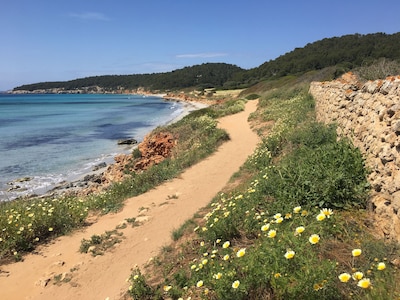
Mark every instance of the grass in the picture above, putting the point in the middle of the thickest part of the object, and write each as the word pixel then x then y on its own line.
pixel 98 244
pixel 25 223
pixel 296 227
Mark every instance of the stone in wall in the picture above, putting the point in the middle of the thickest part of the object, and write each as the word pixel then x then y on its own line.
pixel 369 114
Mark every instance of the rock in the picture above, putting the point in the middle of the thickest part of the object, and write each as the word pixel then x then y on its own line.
pixel 129 141
pixel 396 201
pixel 42 282
pixel 23 179
pixel 154 149
pixel 93 178
pixel 99 166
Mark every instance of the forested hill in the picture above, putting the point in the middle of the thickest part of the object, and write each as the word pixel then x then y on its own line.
pixel 345 53
pixel 203 76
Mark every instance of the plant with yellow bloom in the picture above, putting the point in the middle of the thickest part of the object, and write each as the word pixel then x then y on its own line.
pixel 364 283
pixel 265 227
pixel 200 283
pixel 357 275
pixel 300 230
pixel 327 212
pixel 226 245
pixel 235 284
pixel 297 209
pixel 272 233
pixel 356 252
pixel 321 217
pixel 218 275
pixel 344 277
pixel 289 254
pixel 381 266
pixel 241 252
pixel 314 239
pixel 166 288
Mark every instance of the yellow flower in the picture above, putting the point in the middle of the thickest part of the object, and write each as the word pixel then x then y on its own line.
pixel 199 283
pixel 279 220
pixel 356 252
pixel 217 276
pixel 358 275
pixel 226 257
pixel 204 261
pixel 277 216
pixel 241 252
pixel 304 213
pixel 321 217
pixel 226 245
pixel 235 284
pixel 381 266
pixel 167 288
pixel 265 227
pixel 277 275
pixel 51 229
pixel 300 230
pixel 327 212
pixel 297 209
pixel 364 283
pixel 314 239
pixel 289 254
pixel 344 277
pixel 193 267
pixel 272 233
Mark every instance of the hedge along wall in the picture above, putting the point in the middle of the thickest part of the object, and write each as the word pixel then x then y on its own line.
pixel 369 114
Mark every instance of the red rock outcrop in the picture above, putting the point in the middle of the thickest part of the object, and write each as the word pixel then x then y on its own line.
pixel 154 149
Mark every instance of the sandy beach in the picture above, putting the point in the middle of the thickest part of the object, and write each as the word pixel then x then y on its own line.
pixel 104 277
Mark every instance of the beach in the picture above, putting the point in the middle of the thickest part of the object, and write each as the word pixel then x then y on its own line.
pixel 103 277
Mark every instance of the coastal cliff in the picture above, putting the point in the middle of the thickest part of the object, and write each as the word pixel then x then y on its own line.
pixel 369 115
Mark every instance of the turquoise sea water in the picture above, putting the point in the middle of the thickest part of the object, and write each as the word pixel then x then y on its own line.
pixel 56 137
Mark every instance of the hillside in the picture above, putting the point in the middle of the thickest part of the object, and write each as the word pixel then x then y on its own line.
pixel 339 53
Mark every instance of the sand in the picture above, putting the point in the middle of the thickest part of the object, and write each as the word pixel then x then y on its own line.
pixel 160 210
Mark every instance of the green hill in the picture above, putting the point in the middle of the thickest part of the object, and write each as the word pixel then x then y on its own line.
pixel 344 53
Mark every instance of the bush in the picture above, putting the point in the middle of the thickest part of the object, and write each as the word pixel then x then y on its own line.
pixel 252 96
pixel 331 175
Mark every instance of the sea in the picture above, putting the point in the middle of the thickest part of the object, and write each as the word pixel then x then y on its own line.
pixel 46 139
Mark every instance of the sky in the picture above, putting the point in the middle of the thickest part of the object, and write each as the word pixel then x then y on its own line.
pixel 58 40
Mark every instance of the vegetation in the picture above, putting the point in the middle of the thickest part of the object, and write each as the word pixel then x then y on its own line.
pixel 290 230
pixel 339 54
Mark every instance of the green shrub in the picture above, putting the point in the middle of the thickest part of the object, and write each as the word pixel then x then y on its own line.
pixel 313 134
pixel 252 96
pixel 332 175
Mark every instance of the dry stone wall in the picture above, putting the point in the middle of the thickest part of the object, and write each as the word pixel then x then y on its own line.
pixel 369 114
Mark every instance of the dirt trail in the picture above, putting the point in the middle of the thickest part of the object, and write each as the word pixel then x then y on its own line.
pixel 161 210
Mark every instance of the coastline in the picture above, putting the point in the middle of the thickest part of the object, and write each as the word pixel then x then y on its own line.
pixel 87 177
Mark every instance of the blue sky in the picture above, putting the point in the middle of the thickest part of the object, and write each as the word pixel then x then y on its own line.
pixel 56 40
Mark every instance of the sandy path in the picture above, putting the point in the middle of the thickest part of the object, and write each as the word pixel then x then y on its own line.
pixel 104 276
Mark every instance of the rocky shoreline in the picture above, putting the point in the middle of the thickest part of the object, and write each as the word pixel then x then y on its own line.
pixel 153 149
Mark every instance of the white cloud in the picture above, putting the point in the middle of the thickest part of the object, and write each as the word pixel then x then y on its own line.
pixel 201 55
pixel 90 16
